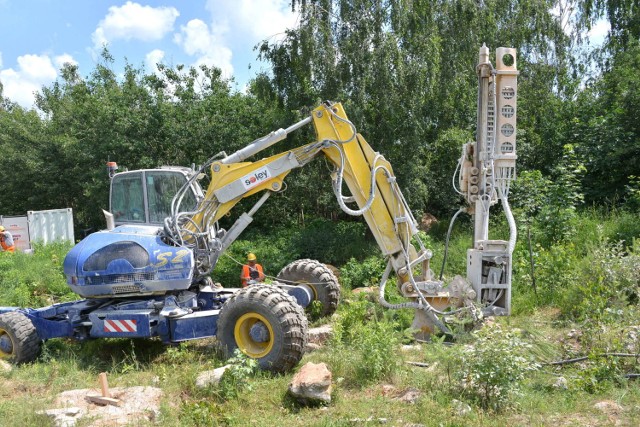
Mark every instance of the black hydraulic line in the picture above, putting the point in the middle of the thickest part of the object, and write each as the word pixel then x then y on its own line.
pixel 446 244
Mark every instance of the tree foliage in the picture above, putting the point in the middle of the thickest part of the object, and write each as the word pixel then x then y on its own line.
pixel 404 70
pixel 179 117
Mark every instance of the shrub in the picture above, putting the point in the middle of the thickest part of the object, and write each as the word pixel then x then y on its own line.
pixel 355 274
pixel 235 379
pixel 332 242
pixel 363 345
pixel 492 367
pixel 610 279
pixel 633 193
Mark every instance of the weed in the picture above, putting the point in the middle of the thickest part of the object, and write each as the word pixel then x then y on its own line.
pixel 610 280
pixel 355 274
pixel 200 413
pixel 492 368
pixel 235 379
pixel 363 345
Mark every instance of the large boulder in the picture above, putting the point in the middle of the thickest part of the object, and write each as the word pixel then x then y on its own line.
pixel 312 384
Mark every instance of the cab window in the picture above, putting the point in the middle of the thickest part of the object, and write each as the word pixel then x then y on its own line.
pixel 127 198
pixel 161 187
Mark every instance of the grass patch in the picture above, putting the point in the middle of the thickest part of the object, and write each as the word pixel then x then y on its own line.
pixel 585 305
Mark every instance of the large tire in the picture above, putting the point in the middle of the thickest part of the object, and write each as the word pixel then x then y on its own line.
pixel 316 275
pixel 266 324
pixel 19 341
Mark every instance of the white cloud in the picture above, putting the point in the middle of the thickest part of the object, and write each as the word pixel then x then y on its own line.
pixel 241 24
pixel 196 39
pixel 152 58
pixel 34 71
pixel 65 58
pixel 134 21
pixel 260 18
pixel 37 68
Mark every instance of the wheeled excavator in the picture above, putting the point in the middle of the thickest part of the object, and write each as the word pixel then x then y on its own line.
pixel 149 274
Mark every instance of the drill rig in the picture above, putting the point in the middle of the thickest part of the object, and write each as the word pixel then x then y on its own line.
pixel 143 279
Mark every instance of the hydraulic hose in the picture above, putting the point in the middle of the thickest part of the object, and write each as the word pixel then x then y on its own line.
pixel 446 243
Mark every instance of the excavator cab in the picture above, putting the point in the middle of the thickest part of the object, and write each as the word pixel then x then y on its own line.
pixel 144 197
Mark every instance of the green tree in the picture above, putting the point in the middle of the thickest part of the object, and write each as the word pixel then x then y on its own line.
pixel 607 128
pixel 179 116
pixel 405 71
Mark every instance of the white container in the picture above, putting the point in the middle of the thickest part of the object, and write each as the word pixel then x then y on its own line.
pixel 51 225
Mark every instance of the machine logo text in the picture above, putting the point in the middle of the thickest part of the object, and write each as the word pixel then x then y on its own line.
pixel 255 178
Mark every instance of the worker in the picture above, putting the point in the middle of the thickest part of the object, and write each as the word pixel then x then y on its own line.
pixel 6 240
pixel 251 271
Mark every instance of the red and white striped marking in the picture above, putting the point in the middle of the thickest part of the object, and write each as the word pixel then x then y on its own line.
pixel 122 325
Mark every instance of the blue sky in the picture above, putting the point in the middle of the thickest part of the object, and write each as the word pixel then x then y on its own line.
pixel 38 36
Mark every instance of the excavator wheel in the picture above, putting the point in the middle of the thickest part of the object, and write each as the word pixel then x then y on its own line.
pixel 319 278
pixel 19 341
pixel 266 324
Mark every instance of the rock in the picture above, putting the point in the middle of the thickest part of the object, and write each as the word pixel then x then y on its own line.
pixel 311 347
pixel 366 290
pixel 138 405
pixel 427 221
pixel 572 333
pixel 412 347
pixel 460 408
pixel 561 383
pixel 207 378
pixel 335 270
pixel 371 293
pixel 489 321
pixel 410 395
pixel 368 420
pixel 312 384
pixel 320 334
pixel 64 417
pixel 608 407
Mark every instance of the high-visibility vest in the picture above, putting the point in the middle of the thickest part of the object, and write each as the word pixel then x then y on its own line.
pixel 251 273
pixel 6 241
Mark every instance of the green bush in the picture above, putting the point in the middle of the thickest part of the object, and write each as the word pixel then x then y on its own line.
pixel 363 344
pixel 610 279
pixel 368 272
pixel 492 367
pixel 633 193
pixel 329 242
pixel 235 379
pixel 332 242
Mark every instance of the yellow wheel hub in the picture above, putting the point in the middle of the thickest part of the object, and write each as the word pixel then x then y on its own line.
pixel 6 345
pixel 247 342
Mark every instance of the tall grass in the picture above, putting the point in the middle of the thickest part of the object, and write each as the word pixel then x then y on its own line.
pixel 34 280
